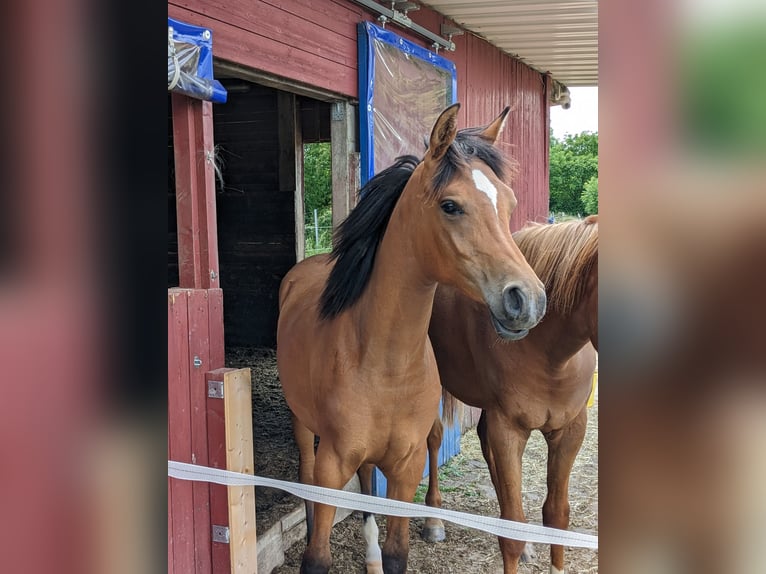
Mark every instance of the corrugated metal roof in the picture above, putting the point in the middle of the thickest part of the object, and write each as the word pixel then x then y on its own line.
pixel 550 35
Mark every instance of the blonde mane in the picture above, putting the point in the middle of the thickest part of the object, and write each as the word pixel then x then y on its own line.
pixel 561 254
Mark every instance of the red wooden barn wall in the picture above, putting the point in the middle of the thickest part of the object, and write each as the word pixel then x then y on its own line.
pixel 315 43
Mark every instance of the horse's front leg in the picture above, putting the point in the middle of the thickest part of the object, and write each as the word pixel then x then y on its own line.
pixel 332 470
pixel 433 529
pixel 402 484
pixel 563 446
pixel 503 445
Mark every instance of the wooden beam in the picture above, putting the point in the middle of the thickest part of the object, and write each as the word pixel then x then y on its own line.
pixel 230 446
pixel 345 160
pixel 291 161
pixel 193 149
pixel 237 396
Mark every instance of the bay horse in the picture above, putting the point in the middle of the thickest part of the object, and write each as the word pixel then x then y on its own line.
pixel 540 382
pixel 355 363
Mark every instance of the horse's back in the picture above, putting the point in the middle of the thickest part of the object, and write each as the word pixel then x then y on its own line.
pixel 307 276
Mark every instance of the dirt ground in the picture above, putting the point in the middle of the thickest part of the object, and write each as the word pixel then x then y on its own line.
pixel 466 486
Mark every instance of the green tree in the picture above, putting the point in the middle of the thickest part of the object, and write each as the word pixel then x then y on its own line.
pixel 589 196
pixel 317 180
pixel 573 162
pixel 317 190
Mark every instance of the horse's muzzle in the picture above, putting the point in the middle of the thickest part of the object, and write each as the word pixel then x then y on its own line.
pixel 523 308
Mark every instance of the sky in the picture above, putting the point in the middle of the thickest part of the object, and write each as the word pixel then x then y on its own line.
pixel 582 116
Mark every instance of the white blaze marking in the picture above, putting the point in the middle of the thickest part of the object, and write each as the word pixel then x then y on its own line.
pixel 371 537
pixel 484 185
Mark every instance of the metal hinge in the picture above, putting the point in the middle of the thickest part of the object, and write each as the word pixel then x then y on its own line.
pixel 215 389
pixel 220 534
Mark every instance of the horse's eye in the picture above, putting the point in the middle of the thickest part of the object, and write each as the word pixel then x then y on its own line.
pixel 451 208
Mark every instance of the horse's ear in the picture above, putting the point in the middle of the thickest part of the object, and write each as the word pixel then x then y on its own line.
pixel 444 132
pixel 493 130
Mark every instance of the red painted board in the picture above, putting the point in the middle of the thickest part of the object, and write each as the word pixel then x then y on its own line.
pixel 219 497
pixel 215 319
pixel 268 54
pixel 199 348
pixel 205 196
pixel 170 528
pixel 185 157
pixel 179 429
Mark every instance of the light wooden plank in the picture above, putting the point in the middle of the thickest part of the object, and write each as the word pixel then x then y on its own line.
pixel 239 458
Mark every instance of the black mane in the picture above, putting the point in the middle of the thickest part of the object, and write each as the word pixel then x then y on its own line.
pixel 357 239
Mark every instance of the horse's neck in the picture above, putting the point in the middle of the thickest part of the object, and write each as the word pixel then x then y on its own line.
pixel 395 309
pixel 560 337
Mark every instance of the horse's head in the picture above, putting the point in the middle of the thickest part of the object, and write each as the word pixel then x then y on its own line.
pixel 464 237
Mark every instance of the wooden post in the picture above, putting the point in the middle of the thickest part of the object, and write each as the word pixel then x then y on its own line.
pixel 195 192
pixel 291 162
pixel 195 345
pixel 233 416
pixel 345 160
pixel 237 397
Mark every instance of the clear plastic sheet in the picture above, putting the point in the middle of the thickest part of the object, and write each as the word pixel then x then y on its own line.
pixel 403 89
pixel 190 62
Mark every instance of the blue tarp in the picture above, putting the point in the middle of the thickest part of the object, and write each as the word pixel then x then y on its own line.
pixel 190 62
pixel 402 90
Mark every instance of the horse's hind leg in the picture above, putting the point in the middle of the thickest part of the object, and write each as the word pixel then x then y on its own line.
pixel 563 446
pixel 304 438
pixel 502 444
pixel 374 559
pixel 433 529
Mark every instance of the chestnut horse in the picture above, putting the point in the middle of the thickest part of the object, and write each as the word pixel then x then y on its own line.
pixel 540 382
pixel 355 363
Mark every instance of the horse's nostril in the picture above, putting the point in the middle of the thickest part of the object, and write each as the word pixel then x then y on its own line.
pixel 513 301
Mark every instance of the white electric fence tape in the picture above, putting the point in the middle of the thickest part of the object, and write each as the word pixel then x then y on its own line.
pixel 386 507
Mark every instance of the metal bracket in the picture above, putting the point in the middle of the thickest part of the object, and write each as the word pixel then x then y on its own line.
pixel 450 31
pixel 338 111
pixel 197 362
pixel 215 389
pixel 221 534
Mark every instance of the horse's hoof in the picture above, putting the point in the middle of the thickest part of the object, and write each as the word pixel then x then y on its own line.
pixel 375 568
pixel 528 554
pixel 433 534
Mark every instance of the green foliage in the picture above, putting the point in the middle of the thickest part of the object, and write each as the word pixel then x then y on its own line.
pixel 722 84
pixel 573 162
pixel 589 196
pixel 317 179
pixel 317 189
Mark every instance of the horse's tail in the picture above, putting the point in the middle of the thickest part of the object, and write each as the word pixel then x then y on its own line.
pixel 451 408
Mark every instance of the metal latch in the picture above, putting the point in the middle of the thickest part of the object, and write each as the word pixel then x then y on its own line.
pixel 220 534
pixel 215 389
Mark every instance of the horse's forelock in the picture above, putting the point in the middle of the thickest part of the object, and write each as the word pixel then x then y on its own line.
pixel 468 146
